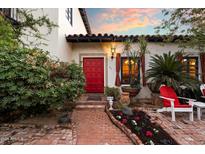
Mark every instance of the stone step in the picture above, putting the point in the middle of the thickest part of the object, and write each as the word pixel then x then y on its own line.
pixel 90 107
pixel 91 103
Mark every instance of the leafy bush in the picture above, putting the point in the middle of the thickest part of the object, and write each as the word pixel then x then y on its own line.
pixel 30 81
pixel 114 92
pixel 70 80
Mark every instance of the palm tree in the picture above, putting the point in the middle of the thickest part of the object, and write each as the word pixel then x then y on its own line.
pixel 166 69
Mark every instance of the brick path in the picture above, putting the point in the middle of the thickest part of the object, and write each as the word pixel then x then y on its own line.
pixel 182 130
pixel 93 126
pixel 32 134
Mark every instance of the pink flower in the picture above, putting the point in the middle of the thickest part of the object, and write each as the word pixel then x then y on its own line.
pixel 124 121
pixel 149 133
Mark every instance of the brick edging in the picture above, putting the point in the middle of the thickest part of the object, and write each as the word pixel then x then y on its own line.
pixel 74 131
pixel 74 134
pixel 133 137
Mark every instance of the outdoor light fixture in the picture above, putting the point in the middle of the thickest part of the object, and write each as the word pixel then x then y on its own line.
pixel 112 52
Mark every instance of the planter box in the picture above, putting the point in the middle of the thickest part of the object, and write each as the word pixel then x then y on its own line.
pixel 133 137
pixel 140 128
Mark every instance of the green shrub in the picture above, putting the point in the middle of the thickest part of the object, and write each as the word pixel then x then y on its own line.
pixel 7 34
pixel 70 80
pixel 114 92
pixel 31 81
pixel 119 105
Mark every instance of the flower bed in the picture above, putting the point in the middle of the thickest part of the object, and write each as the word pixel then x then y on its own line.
pixel 149 133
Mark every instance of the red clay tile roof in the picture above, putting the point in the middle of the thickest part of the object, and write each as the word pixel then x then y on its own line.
pixel 120 38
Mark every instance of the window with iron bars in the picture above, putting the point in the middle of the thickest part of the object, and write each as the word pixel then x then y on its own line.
pixel 69 15
pixel 9 12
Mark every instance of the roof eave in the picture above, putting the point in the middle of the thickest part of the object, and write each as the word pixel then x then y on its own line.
pixel 85 20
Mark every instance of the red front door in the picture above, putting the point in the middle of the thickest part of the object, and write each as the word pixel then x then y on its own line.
pixel 93 69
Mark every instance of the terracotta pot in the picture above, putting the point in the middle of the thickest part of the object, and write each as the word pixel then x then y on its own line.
pixel 132 91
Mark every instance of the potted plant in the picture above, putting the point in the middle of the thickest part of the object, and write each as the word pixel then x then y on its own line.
pixel 133 89
pixel 135 57
pixel 113 94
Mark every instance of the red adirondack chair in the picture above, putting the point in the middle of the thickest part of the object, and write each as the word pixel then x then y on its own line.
pixel 172 104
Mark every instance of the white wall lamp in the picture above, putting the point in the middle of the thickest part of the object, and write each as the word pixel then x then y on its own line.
pixel 113 51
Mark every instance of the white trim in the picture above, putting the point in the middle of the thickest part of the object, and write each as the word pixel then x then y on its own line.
pixel 173 109
pixel 202 87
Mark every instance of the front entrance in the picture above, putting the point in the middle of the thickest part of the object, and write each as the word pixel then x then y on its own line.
pixel 93 69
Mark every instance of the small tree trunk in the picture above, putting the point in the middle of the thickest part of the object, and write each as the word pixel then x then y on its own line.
pixel 130 71
pixel 141 81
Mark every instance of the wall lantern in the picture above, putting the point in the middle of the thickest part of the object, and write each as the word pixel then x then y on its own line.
pixel 112 52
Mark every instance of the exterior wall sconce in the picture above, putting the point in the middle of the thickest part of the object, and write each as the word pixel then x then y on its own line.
pixel 113 50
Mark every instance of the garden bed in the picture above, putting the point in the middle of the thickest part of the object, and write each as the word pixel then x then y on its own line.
pixel 140 129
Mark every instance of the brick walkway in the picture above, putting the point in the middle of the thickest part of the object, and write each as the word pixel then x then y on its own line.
pixel 31 134
pixel 182 130
pixel 93 126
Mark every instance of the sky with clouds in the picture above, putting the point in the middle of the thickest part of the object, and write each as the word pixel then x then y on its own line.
pixel 124 21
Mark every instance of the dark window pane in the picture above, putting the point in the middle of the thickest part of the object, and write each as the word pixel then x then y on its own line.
pixel 190 67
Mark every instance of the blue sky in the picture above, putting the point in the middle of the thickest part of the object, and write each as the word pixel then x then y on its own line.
pixel 124 21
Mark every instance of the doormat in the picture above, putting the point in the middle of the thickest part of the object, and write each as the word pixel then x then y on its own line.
pixel 94 98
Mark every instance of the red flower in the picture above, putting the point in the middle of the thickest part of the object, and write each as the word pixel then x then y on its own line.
pixel 149 133
pixel 120 113
pixel 137 118
pixel 124 121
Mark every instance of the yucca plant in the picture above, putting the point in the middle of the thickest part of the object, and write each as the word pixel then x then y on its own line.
pixel 166 69
pixel 136 57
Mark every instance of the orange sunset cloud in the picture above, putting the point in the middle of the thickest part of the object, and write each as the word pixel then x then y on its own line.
pixel 119 20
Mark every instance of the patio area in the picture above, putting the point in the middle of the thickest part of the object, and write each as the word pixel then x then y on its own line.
pixel 89 118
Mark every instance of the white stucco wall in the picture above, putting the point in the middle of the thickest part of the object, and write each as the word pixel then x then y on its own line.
pixel 78 26
pixel 64 49
pixel 56 42
pixel 105 49
pixel 52 38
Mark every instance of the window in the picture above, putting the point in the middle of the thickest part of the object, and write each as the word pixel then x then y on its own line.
pixel 9 12
pixel 69 15
pixel 128 72
pixel 190 67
